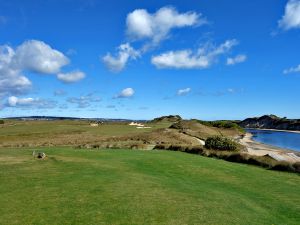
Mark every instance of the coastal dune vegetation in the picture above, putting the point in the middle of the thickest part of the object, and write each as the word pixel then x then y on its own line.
pixel 218 139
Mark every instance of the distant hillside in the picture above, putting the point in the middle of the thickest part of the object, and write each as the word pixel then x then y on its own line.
pixel 28 118
pixel 271 122
pixel 170 118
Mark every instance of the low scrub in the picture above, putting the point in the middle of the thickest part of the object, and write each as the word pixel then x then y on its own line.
pixel 220 143
pixel 237 157
pixel 181 148
pixel 222 124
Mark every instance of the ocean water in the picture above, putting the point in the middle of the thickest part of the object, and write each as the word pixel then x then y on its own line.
pixel 281 139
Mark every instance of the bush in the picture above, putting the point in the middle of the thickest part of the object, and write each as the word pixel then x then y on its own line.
pixel 220 143
pixel 1 121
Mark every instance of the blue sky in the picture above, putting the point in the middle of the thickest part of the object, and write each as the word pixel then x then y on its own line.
pixel 205 59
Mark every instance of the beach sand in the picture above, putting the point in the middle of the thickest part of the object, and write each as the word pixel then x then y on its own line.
pixel 259 149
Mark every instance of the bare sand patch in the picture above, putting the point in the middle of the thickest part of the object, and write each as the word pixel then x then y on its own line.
pixel 259 149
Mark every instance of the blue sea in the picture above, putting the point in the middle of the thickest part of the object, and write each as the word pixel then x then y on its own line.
pixel 280 139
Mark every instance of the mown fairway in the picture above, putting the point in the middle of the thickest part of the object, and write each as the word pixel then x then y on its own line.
pixel 141 187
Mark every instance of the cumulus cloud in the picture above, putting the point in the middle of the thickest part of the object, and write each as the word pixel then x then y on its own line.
pixel 39 57
pixel 151 29
pixel 14 101
pixel 125 93
pixel 143 25
pixel 291 17
pixel 34 56
pixel 71 77
pixel 292 70
pixel 237 59
pixel 12 81
pixel 118 62
pixel 84 101
pixel 184 91
pixel 203 58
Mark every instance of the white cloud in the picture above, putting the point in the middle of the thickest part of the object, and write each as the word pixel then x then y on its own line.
pixel 151 29
pixel 117 63
pixel 39 57
pixel 14 101
pixel 126 93
pixel 292 70
pixel 33 56
pixel 184 91
pixel 71 77
pixel 187 59
pixel 237 59
pixel 141 24
pixel 12 81
pixel 291 17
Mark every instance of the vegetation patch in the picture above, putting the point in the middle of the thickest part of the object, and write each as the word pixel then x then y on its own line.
pixel 221 143
pixel 222 124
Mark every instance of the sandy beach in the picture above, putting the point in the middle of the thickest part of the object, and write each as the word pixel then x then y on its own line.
pixel 259 149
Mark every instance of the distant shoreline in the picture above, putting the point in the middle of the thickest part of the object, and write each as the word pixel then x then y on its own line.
pixel 259 149
pixel 276 130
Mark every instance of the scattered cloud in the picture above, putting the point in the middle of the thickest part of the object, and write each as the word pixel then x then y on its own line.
pixel 157 26
pixel 14 101
pixel 111 106
pixel 125 93
pixel 71 51
pixel 150 29
pixel 292 70
pixel 184 91
pixel 236 60
pixel 118 62
pixel 84 101
pixel 71 77
pixel 291 17
pixel 203 58
pixel 231 90
pixel 228 91
pixel 33 56
pixel 59 92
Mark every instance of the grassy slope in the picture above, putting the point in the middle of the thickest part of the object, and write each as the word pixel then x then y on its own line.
pixel 141 187
pixel 64 132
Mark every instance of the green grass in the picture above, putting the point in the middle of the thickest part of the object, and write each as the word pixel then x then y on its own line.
pixel 141 187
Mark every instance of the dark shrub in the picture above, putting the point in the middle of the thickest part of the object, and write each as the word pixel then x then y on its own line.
pixel 297 166
pixel 1 121
pixel 221 143
pixel 194 150
pixel 284 166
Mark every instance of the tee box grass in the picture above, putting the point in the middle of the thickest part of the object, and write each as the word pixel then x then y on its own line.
pixel 141 187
